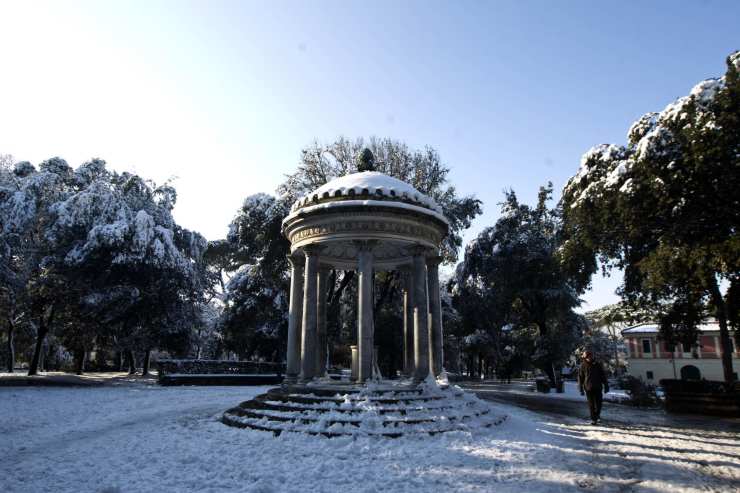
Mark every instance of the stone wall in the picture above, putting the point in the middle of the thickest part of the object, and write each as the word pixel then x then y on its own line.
pixel 217 367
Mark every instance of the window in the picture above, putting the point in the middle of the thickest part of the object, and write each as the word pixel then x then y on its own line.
pixel 646 346
pixel 649 375
pixel 686 347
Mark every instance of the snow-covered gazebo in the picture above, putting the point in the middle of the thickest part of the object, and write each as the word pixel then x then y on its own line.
pixel 369 222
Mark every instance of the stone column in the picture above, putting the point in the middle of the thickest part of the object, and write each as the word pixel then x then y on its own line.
pixel 435 310
pixel 408 323
pixel 365 310
pixel 293 357
pixel 354 365
pixel 321 342
pixel 308 334
pixel 421 327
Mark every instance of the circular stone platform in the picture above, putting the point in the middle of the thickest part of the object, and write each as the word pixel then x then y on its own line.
pixel 375 409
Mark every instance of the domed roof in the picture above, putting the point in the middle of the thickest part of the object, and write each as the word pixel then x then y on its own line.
pixel 368 185
pixel 366 206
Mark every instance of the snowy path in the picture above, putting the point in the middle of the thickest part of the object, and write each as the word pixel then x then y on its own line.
pixel 140 439
pixel 572 404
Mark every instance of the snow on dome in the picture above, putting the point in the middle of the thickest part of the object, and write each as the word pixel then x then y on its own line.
pixel 367 184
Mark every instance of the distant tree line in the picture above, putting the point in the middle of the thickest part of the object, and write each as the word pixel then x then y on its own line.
pixel 93 259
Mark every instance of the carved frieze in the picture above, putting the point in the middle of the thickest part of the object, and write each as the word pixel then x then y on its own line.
pixel 382 226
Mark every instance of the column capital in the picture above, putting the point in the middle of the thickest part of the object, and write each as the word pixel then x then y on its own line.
pixel 312 250
pixel 295 259
pixel 434 260
pixel 419 251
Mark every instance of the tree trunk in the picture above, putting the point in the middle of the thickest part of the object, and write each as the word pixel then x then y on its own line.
pixel 11 346
pixel 43 330
pixel 724 334
pixel 337 294
pixel 33 368
pixel 80 361
pixel 147 359
pixel 119 362
pixel 131 362
pixel 550 371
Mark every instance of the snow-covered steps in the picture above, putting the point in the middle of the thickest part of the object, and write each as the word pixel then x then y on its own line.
pixel 364 410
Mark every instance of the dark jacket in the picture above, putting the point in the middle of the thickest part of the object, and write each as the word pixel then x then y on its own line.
pixel 591 377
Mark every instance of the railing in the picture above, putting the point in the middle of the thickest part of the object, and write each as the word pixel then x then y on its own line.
pixel 218 367
pixel 218 372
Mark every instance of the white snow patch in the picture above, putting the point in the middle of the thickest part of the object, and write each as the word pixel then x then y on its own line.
pixel 374 183
pixel 170 439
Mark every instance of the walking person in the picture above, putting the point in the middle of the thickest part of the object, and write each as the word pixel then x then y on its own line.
pixel 592 380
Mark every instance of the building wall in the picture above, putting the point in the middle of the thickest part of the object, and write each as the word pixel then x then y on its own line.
pixel 662 363
pixel 663 368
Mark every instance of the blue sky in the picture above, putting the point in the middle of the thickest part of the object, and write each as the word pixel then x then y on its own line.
pixel 224 95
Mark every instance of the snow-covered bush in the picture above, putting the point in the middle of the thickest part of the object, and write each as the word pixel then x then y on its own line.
pixel 99 255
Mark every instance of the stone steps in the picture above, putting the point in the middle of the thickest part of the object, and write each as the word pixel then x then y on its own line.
pixel 313 399
pixel 307 419
pixel 298 407
pixel 331 390
pixel 371 412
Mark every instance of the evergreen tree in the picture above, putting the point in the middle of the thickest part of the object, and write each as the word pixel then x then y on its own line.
pixel 97 256
pixel 665 208
pixel 254 321
pixel 511 284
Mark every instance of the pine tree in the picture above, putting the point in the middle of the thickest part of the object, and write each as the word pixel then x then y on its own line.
pixel 665 208
pixel 511 284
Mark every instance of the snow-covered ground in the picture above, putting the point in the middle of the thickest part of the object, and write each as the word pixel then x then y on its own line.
pixel 571 392
pixel 147 438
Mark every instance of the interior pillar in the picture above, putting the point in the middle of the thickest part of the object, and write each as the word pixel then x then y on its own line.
pixel 435 310
pixel 321 340
pixel 295 315
pixel 308 334
pixel 408 322
pixel 421 325
pixel 365 334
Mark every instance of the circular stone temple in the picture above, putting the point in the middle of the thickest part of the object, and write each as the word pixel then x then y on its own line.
pixel 367 222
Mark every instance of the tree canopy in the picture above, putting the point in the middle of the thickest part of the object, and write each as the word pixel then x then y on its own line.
pixel 665 208
pixel 511 285
pixel 97 255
